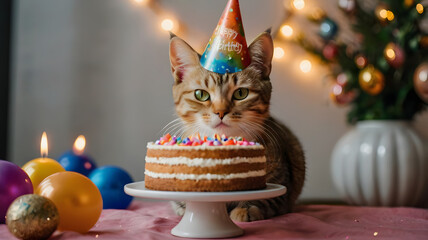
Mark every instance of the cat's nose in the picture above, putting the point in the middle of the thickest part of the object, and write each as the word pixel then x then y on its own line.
pixel 221 114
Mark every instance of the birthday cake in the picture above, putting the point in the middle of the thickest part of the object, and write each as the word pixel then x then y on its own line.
pixel 198 164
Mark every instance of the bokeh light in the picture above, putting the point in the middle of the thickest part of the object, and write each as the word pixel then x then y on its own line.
pixel 305 66
pixel 287 31
pixel 278 52
pixel 167 24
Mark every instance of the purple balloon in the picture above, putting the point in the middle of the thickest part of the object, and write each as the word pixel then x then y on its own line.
pixel 14 182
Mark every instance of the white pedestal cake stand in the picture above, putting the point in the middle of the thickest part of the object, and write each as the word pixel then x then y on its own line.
pixel 206 215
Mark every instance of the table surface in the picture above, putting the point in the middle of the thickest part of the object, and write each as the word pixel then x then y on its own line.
pixel 154 220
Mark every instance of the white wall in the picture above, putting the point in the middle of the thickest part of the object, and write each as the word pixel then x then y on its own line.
pixel 101 68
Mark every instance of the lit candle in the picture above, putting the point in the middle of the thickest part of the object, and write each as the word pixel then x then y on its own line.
pixel 75 160
pixel 40 168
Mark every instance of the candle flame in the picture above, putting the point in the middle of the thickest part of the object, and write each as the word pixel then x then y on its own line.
pixel 44 145
pixel 79 145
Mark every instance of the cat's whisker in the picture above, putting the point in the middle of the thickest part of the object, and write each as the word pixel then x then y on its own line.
pixel 189 129
pixel 173 128
pixel 183 129
pixel 173 123
pixel 267 127
pixel 177 120
pixel 270 137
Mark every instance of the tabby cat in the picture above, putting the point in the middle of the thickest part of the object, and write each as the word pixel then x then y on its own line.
pixel 237 104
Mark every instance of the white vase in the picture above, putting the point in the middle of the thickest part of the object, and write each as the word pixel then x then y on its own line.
pixel 381 163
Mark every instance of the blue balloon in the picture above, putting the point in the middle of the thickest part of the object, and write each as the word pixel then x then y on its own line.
pixel 77 163
pixel 110 180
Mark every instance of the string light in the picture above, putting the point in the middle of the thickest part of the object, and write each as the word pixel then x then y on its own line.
pixel 287 31
pixel 383 13
pixel 298 4
pixel 167 24
pixel 337 90
pixel 142 2
pixel 390 53
pixel 367 77
pixel 361 61
pixel 278 52
pixel 419 8
pixel 390 15
pixel 305 66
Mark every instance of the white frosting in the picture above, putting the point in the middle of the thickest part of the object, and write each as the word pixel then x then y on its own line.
pixel 152 145
pixel 208 176
pixel 204 162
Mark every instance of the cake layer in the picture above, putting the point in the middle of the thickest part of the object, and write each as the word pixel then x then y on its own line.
pixel 221 152
pixel 236 184
pixel 219 169
pixel 204 162
pixel 207 176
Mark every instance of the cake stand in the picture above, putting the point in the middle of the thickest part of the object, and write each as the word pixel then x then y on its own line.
pixel 206 215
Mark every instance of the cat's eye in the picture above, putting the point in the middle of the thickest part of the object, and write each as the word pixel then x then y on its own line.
pixel 202 95
pixel 240 93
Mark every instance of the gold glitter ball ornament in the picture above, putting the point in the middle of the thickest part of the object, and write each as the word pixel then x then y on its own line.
pixel 371 80
pixel 32 217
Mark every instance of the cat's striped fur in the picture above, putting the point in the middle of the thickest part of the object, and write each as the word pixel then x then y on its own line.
pixel 249 118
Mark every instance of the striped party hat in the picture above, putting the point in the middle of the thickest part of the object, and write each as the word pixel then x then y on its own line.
pixel 227 50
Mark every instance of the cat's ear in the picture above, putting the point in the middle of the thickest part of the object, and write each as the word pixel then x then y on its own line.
pixel 261 52
pixel 182 57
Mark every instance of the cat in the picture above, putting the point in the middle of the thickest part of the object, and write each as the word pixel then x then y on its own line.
pixel 237 104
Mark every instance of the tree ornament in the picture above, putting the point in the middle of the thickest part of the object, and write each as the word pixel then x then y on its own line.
pixel 420 81
pixel 409 3
pixel 342 79
pixel 339 96
pixel 32 217
pixel 361 61
pixel 424 41
pixel 328 29
pixel 347 5
pixel 394 55
pixel 330 51
pixel 371 80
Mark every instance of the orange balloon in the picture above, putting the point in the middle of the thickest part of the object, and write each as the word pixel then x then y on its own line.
pixel 77 198
pixel 40 168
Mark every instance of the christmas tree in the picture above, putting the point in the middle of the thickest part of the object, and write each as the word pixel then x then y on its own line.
pixel 385 76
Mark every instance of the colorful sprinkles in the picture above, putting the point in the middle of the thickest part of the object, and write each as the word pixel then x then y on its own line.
pixel 197 140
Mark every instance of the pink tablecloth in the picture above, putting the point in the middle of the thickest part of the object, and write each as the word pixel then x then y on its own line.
pixel 154 220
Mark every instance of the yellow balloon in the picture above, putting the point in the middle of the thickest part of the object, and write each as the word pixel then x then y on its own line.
pixel 77 198
pixel 40 168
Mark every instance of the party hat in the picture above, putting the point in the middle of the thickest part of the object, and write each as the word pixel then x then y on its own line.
pixel 227 50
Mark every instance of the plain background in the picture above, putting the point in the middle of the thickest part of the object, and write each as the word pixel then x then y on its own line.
pixel 101 68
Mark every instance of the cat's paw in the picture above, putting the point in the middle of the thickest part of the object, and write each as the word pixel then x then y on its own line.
pixel 178 207
pixel 252 213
